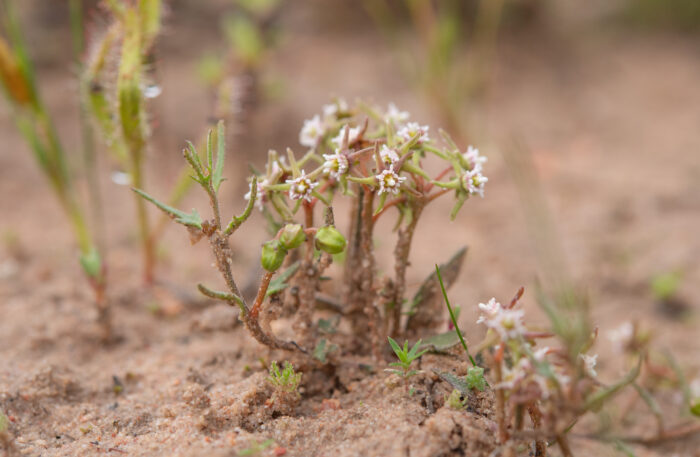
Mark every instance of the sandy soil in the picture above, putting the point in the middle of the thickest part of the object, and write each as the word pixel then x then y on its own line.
pixel 611 119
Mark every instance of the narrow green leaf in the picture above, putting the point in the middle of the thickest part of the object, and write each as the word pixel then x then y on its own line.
pixel 455 381
pixel 280 282
pixel 218 168
pixel 91 263
pixel 395 346
pixel 453 317
pixel 190 220
pixel 442 341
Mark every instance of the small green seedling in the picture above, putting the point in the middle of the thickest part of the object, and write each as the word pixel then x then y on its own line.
pixel 4 422
pixel 406 357
pixel 664 286
pixel 286 380
pixel 256 448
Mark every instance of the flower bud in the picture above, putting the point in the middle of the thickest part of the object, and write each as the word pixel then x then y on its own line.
pixel 273 254
pixel 330 240
pixel 292 236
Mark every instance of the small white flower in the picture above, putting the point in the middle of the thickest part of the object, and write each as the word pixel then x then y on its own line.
pixel 412 129
pixel 353 136
pixel 301 187
pixel 473 182
pixel 388 156
pixel 332 109
pixel 540 354
pixel 490 309
pixel 395 116
pixel 473 159
pixel 508 323
pixel 335 165
pixel 695 389
pixel 311 132
pixel 621 336
pixel 261 195
pixel 389 181
pixel 589 362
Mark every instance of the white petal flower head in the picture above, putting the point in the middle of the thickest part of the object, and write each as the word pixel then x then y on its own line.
pixel 473 159
pixel 473 182
pixel 695 389
pixel 490 309
pixel 389 181
pixel 388 156
pixel 311 132
pixel 335 165
pixel 621 336
pixel 261 195
pixel 394 116
pixel 353 136
pixel 508 323
pixel 332 109
pixel 589 362
pixel 541 354
pixel 412 129
pixel 301 187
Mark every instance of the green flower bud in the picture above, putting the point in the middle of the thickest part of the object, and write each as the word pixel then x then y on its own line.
pixel 330 240
pixel 292 236
pixel 273 254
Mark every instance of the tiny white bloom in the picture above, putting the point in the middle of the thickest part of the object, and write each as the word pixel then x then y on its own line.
pixel 695 389
pixel 394 115
pixel 332 109
pixel 335 165
pixel 412 129
pixel 353 136
pixel 388 156
pixel 473 182
pixel 540 354
pixel 473 159
pixel 490 309
pixel 589 362
pixel 389 181
pixel 621 336
pixel 261 196
pixel 508 323
pixel 311 132
pixel 301 187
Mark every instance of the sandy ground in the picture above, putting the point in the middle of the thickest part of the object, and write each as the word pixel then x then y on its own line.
pixel 611 120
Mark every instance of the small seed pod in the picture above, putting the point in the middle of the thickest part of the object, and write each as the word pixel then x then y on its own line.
pixel 292 236
pixel 273 254
pixel 330 240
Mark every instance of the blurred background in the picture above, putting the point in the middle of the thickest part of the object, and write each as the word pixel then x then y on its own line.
pixel 601 99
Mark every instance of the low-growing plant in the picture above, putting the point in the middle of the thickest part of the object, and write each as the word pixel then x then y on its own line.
pixel 256 448
pixel 373 157
pixel 406 358
pixel 286 380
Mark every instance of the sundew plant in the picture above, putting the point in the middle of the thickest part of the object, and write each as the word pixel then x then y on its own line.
pixel 373 157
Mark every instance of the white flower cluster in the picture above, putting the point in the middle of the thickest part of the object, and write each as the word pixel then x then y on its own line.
pixel 336 164
pixel 473 179
pixel 301 187
pixel 389 181
pixel 507 322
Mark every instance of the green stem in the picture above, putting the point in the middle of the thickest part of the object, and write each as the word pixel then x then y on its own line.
pixel 453 317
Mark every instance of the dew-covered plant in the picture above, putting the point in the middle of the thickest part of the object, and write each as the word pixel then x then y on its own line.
pixel 406 358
